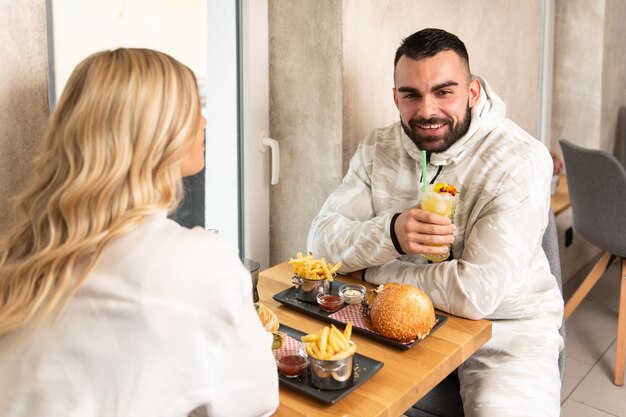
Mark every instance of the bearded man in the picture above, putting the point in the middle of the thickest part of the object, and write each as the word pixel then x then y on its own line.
pixel 497 268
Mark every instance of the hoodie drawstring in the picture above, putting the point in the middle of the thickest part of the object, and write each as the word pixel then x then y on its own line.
pixel 434 178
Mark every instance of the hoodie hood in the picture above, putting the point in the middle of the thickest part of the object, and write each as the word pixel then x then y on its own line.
pixel 488 108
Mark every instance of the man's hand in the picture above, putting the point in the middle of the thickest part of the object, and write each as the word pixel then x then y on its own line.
pixel 417 230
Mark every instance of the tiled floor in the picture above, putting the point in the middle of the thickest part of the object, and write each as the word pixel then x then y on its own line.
pixel 588 390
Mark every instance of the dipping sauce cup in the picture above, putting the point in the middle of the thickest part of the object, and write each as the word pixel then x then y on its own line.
pixel 291 363
pixel 352 293
pixel 329 302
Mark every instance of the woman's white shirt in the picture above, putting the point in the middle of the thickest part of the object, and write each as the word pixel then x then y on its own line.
pixel 164 323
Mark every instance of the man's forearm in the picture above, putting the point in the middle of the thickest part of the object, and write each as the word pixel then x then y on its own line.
pixel 358 244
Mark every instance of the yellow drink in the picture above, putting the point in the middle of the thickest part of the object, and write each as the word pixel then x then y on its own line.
pixel 442 203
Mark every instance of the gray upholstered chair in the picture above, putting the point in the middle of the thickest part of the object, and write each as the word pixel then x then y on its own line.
pixel 597 190
pixel 445 399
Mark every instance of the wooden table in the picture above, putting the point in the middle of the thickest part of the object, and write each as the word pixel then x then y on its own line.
pixel 560 199
pixel 406 375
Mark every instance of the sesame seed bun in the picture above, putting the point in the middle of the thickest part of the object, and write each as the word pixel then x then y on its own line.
pixel 402 312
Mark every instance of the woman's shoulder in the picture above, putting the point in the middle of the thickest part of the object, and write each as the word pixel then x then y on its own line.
pixel 166 259
pixel 202 250
pixel 179 239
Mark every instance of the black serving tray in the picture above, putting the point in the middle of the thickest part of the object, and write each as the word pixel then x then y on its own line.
pixel 288 298
pixel 364 369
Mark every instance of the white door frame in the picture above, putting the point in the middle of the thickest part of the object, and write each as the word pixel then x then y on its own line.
pixel 238 171
pixel 255 117
pixel 222 185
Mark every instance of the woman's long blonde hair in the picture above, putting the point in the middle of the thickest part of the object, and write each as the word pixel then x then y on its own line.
pixel 110 157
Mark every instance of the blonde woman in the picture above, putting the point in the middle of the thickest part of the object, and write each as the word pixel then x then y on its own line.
pixel 107 308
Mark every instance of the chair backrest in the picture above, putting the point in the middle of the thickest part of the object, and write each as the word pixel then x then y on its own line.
pixel 597 190
pixel 550 245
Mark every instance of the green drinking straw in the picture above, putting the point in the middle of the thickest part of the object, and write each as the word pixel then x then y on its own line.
pixel 424 180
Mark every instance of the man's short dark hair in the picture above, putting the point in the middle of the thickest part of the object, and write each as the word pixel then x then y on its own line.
pixel 429 42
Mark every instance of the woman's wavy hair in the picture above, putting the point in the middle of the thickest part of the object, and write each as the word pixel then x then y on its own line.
pixel 110 157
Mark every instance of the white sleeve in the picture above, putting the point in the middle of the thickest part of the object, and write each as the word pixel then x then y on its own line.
pixel 347 227
pixel 499 248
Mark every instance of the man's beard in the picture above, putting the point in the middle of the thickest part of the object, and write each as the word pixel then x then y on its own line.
pixel 437 144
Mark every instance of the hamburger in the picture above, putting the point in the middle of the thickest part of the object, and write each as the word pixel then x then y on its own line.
pixel 402 312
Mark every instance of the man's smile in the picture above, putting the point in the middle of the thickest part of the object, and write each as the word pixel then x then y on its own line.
pixel 429 128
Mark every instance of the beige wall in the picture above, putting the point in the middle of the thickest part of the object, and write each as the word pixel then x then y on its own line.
pixel 305 115
pixel 589 71
pixel 331 75
pixel 23 94
pixel 503 39
pixel 614 72
pixel 578 71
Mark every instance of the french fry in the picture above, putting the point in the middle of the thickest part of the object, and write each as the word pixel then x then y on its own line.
pixel 333 347
pixel 300 259
pixel 310 338
pixel 335 268
pixel 330 343
pixel 338 339
pixel 347 332
pixel 343 354
pixel 325 268
pixel 311 268
pixel 309 350
pixel 324 339
pixel 315 350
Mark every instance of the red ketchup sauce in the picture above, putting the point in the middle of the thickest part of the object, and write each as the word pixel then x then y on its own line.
pixel 329 302
pixel 292 365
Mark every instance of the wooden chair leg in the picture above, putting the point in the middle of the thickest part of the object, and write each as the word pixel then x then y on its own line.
pixel 590 280
pixel 620 344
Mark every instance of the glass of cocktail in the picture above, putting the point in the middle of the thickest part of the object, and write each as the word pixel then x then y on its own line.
pixel 439 199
